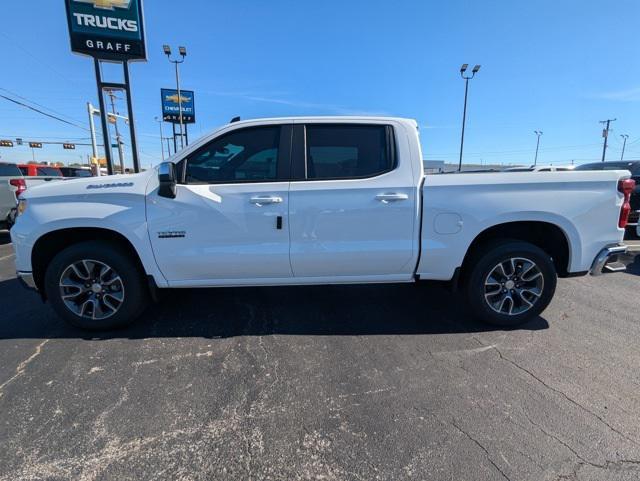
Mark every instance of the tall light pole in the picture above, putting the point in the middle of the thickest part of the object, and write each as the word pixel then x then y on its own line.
pixel 605 134
pixel 538 133
pixel 183 53
pixel 161 137
pixel 624 144
pixel 466 78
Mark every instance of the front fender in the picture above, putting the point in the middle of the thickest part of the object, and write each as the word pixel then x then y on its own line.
pixel 123 214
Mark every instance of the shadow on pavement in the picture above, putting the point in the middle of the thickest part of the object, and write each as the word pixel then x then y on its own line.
pixel 634 267
pixel 5 238
pixel 226 312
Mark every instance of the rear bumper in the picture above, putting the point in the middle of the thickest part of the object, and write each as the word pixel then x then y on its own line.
pixel 608 255
pixel 27 281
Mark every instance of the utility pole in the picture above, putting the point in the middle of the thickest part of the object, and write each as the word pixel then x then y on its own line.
pixel 538 133
pixel 112 96
pixel 605 134
pixel 624 144
pixel 161 137
pixel 466 78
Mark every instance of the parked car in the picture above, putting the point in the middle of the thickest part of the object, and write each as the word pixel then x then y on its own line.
pixel 36 170
pixel 541 168
pixel 35 174
pixel 12 184
pixel 633 228
pixel 72 172
pixel 314 201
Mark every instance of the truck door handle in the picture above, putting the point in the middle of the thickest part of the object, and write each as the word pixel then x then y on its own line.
pixel 392 197
pixel 260 201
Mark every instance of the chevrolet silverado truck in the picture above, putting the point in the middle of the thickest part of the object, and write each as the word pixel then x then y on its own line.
pixel 300 201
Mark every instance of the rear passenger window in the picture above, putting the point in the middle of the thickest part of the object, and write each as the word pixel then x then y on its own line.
pixel 348 151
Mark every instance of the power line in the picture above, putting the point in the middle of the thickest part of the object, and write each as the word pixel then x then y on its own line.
pixel 39 105
pixel 43 113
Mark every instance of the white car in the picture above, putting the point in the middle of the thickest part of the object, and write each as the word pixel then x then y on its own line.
pixel 317 200
pixel 12 184
pixel 541 168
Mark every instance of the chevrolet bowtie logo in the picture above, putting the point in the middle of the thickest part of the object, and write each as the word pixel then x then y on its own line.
pixel 107 4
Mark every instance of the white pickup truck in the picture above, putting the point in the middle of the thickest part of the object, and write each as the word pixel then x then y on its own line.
pixel 318 200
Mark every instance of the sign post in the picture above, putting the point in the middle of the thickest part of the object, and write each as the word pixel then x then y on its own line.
pixel 111 31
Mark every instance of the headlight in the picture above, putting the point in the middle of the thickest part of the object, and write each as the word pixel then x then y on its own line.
pixel 22 207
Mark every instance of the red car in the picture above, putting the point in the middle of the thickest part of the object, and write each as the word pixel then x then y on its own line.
pixel 35 170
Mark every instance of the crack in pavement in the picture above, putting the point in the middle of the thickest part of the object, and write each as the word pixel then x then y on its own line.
pixel 22 366
pixel 561 393
pixel 573 476
pixel 477 443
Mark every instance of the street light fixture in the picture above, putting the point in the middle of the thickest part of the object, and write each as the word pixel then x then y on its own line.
pixel 183 53
pixel 538 133
pixel 624 144
pixel 466 78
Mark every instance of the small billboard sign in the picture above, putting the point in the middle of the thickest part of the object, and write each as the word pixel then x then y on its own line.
pixel 171 106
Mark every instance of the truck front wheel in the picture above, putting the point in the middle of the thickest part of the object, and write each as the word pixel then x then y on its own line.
pixel 94 285
pixel 510 282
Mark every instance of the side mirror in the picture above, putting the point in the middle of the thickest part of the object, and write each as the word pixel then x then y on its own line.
pixel 167 180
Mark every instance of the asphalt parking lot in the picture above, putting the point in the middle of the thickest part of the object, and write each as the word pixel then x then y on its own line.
pixel 344 383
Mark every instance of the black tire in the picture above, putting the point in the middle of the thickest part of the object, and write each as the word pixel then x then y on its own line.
pixel 134 288
pixel 484 270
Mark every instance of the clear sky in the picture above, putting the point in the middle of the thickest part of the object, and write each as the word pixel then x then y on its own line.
pixel 559 66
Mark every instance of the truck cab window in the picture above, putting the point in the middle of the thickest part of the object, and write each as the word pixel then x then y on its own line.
pixel 347 151
pixel 247 155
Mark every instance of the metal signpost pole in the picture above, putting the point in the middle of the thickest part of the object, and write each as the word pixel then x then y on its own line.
pixel 132 129
pixel 175 145
pixel 103 115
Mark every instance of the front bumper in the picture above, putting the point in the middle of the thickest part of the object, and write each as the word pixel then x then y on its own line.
pixel 609 258
pixel 27 280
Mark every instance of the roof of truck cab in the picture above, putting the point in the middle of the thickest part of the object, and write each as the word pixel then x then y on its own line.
pixel 325 118
pixel 411 123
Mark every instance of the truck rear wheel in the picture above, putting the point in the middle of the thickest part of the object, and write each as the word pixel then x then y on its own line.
pixel 510 282
pixel 93 285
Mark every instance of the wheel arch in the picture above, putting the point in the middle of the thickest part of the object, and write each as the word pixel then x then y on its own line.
pixel 49 244
pixel 547 236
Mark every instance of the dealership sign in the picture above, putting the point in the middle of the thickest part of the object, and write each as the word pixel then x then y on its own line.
pixel 171 106
pixel 107 29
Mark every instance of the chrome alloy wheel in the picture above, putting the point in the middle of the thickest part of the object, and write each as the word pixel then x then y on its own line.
pixel 513 286
pixel 91 289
